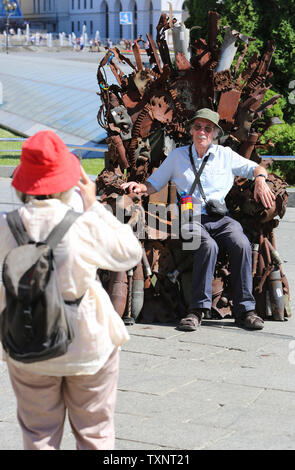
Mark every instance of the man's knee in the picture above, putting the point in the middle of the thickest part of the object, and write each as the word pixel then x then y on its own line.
pixel 233 225
pixel 237 237
pixel 209 245
pixel 240 243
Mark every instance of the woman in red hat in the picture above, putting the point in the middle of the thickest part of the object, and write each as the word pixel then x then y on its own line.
pixel 83 380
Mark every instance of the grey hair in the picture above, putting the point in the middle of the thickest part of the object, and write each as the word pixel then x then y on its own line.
pixel 216 132
pixel 64 196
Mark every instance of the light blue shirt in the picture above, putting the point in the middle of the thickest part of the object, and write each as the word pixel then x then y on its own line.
pixel 217 177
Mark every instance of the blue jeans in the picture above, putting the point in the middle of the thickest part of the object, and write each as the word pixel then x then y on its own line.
pixel 226 233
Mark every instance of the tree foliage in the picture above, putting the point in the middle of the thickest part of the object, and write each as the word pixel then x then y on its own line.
pixel 283 137
pixel 262 20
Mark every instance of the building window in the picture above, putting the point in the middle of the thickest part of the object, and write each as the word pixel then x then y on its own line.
pixel 135 22
pixel 73 4
pixel 91 3
pixel 79 4
pixel 85 4
pixel 78 26
pixel 73 27
pixel 36 6
pixel 91 27
pixel 49 6
pixel 44 5
pixel 151 19
pixel 107 20
pixel 121 26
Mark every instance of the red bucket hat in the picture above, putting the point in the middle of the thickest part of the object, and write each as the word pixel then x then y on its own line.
pixel 46 166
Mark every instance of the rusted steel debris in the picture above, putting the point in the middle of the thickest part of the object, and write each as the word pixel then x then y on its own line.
pixel 144 115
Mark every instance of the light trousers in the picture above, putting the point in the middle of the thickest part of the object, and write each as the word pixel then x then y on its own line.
pixel 42 401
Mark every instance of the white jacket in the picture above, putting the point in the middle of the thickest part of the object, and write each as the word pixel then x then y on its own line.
pixel 95 240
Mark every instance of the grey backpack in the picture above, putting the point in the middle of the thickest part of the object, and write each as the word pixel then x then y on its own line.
pixel 33 325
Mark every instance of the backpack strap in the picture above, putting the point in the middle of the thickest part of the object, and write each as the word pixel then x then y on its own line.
pixel 21 236
pixel 60 229
pixel 17 227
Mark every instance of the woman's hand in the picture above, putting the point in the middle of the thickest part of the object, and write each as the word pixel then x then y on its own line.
pixel 88 189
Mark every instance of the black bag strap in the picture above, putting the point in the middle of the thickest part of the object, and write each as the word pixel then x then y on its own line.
pixel 60 229
pixel 17 228
pixel 197 173
pixel 21 236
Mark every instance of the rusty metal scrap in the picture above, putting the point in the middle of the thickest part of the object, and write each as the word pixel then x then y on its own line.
pixel 240 200
pixel 163 25
pixel 213 31
pixel 145 116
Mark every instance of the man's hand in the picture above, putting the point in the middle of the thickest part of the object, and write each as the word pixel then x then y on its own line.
pixel 138 188
pixel 134 187
pixel 262 192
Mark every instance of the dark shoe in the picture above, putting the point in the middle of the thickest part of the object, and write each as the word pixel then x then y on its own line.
pixel 249 320
pixel 190 322
pixel 207 313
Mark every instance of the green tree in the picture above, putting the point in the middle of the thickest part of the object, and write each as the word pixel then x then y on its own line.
pixel 283 137
pixel 262 20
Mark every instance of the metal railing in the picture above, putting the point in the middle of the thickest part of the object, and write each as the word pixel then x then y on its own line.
pixel 80 148
pixel 278 157
pixel 103 148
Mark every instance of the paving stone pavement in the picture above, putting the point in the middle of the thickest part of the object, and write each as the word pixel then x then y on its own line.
pixel 217 388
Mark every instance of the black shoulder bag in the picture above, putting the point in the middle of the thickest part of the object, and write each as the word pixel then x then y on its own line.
pixel 213 207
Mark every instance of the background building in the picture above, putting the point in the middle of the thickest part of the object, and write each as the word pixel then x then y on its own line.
pixel 99 15
pixel 46 15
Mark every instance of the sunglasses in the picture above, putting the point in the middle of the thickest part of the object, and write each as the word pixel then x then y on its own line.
pixel 198 127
